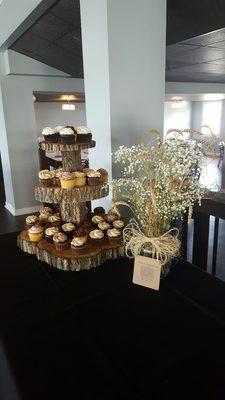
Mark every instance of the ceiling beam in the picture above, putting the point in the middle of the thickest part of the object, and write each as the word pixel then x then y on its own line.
pixel 17 16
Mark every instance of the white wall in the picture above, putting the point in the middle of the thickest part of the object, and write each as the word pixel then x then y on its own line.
pixel 51 114
pixel 177 118
pixel 19 134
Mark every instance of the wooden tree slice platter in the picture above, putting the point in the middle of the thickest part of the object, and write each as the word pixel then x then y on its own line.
pixel 56 194
pixel 89 257
pixel 48 146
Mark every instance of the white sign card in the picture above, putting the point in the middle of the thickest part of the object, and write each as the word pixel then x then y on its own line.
pixel 147 272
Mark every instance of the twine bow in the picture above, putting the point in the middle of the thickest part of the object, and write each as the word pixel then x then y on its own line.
pixel 162 248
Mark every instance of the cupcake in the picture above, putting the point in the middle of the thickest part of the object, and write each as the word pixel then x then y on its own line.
pixel 79 231
pixel 114 235
pixel 67 180
pixel 96 219
pixel 83 134
pixel 119 224
pixel 57 129
pixel 50 232
pixel 68 228
pixel 80 179
pixel 114 211
pixel 49 134
pixel 93 178
pixel 86 170
pixel 61 241
pixel 45 213
pixel 67 135
pixel 78 242
pixel 54 220
pixel 31 220
pixel 57 173
pixel 99 211
pixel 46 177
pixel 87 226
pixel 35 233
pixel 96 236
pixel 104 175
pixel 104 226
pixel 111 218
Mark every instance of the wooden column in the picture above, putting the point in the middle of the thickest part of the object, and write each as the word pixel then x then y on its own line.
pixel 71 160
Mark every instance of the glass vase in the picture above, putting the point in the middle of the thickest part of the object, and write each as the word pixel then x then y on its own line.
pixel 165 268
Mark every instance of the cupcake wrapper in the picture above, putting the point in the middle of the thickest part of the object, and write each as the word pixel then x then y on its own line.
pixel 52 138
pixel 94 181
pixel 115 239
pixel 68 139
pixel 61 246
pixel 82 138
pixel 49 239
pixel 47 182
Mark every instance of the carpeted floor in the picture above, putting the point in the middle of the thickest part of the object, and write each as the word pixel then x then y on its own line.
pixel 94 335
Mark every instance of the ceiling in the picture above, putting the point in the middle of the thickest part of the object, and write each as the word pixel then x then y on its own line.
pixel 200 59
pixel 55 39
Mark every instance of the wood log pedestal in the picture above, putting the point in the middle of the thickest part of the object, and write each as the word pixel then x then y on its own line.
pixel 91 256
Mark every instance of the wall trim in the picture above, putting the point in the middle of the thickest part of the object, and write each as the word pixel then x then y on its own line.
pixel 21 211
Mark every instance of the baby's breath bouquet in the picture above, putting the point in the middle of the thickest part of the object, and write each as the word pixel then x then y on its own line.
pixel 159 183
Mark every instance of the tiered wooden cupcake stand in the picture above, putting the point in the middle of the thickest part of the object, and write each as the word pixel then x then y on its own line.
pixel 73 209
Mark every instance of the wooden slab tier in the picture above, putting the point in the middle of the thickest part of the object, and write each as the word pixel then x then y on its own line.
pixel 26 244
pixel 48 146
pixel 91 256
pixel 56 194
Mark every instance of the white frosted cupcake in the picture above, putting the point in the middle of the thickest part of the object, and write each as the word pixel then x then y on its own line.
pixel 31 220
pixel 119 224
pixel 96 236
pixel 114 235
pixel 94 178
pixel 96 219
pixel 83 134
pixel 50 232
pixel 78 242
pixel 50 135
pixel 35 233
pixel 46 177
pixel 67 135
pixel 104 226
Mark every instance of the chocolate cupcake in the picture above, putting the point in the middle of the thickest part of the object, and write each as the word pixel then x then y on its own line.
pixel 45 213
pixel 57 174
pixel 54 220
pixel 96 219
pixel 46 178
pixel 111 218
pixel 61 241
pixel 68 228
pixel 84 134
pixel 50 232
pixel 57 129
pixel 31 220
pixel 99 211
pixel 104 175
pixel 79 243
pixel 114 235
pixel 67 135
pixel 49 135
pixel 96 236
pixel 94 178
pixel 79 231
pixel 119 224
pixel 104 226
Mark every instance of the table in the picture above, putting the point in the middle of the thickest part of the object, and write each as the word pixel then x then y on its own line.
pixel 95 335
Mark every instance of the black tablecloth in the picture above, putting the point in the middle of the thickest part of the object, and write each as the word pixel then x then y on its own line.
pixel 95 335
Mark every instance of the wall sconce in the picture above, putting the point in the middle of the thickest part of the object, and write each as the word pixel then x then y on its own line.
pixel 68 107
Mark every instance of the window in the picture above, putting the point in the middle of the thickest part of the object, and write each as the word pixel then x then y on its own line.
pixel 211 117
